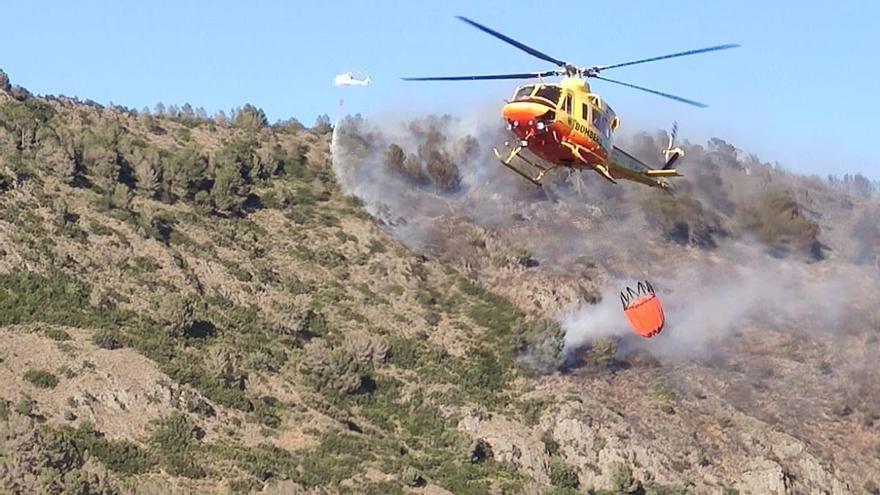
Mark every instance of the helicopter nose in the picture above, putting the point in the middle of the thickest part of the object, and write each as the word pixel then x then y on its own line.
pixel 523 113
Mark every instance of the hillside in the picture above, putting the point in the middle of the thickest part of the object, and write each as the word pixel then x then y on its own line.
pixel 215 305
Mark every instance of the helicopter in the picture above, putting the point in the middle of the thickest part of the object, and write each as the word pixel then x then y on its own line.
pixel 351 79
pixel 566 125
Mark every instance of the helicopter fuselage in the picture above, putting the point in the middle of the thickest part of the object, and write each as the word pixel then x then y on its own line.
pixel 562 123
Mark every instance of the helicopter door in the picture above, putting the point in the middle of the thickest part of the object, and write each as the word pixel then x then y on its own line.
pixel 566 107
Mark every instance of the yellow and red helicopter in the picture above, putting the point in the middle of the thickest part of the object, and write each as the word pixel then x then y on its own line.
pixel 567 125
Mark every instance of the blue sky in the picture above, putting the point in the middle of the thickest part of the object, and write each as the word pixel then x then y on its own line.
pixel 801 90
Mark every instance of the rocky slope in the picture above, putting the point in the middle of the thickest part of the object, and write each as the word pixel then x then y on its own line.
pixel 210 305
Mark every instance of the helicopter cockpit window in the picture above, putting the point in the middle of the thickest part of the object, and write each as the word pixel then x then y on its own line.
pixel 523 93
pixel 548 93
pixel 586 110
pixel 567 104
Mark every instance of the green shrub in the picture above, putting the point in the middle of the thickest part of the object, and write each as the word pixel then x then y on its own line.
pixel 383 488
pixel 266 412
pixel 776 219
pixel 683 219
pixel 540 347
pixel 145 264
pixel 121 456
pixel 562 474
pixel 653 488
pixel 483 374
pixel 531 409
pixel 188 367
pixel 473 479
pixel 99 228
pixel 551 446
pixel 523 257
pixel 665 398
pixel 65 222
pixel 41 378
pixel 427 297
pixel 25 406
pixel 56 334
pixel 176 312
pixel 494 313
pixel 108 338
pixel 335 371
pixel 338 457
pixel 376 247
pixel 622 479
pixel 432 318
pixel 5 182
pixel 60 300
pixel 177 447
pixel 403 352
pixel 411 477
pixel 601 352
pixel 263 462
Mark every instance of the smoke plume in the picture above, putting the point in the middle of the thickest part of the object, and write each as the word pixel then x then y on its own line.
pixel 704 303
pixel 742 245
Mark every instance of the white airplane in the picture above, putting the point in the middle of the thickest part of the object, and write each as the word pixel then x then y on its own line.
pixel 348 79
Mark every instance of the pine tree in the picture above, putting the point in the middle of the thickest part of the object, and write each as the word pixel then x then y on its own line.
pixel 147 171
pixel 101 163
pixel 323 125
pixel 187 112
pixel 250 117
pixel 53 155
pixel 221 119
pixel 4 81
pixel 394 159
pixel 229 190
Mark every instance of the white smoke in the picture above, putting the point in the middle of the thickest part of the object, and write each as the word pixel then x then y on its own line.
pixel 488 195
pixel 708 295
pixel 705 303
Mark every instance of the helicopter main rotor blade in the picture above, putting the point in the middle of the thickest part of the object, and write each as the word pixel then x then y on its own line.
pixel 524 75
pixel 671 55
pixel 507 39
pixel 665 95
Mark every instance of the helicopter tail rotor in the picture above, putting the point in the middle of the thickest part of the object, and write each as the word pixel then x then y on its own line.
pixel 672 153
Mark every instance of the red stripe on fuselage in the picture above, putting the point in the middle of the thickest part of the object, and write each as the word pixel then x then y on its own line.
pixel 524 116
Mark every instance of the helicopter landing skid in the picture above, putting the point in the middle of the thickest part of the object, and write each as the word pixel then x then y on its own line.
pixel 514 153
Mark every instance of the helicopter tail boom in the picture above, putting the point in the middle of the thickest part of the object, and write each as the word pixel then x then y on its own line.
pixel 626 166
